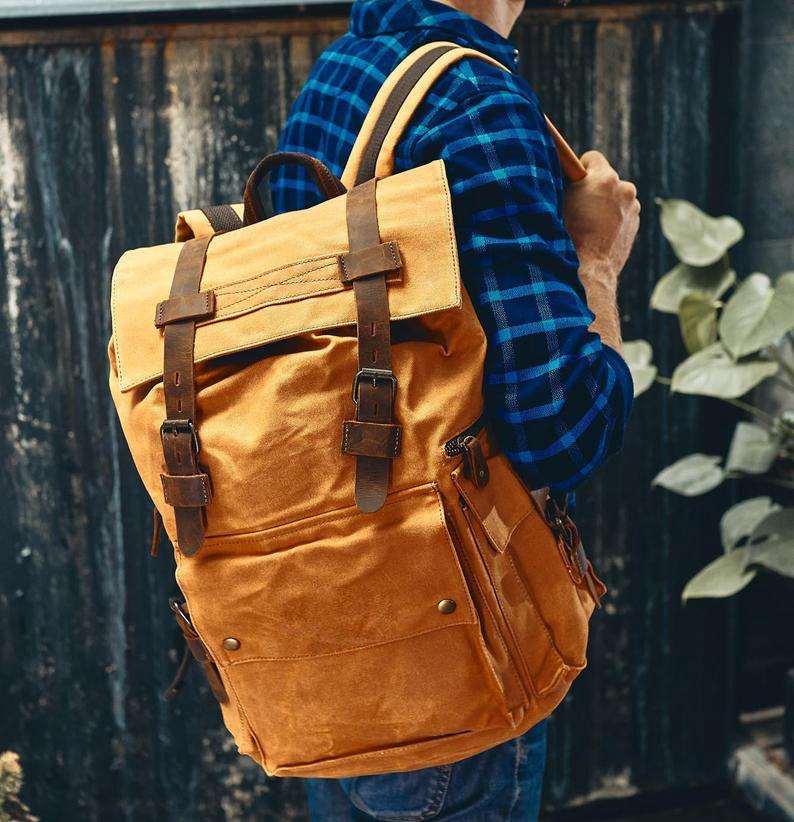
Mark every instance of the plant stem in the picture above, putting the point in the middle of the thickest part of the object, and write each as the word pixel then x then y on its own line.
pixel 769 481
pixel 751 409
pixel 784 384
pixel 743 406
pixel 782 361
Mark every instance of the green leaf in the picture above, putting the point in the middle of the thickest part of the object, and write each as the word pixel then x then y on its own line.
pixel 777 557
pixel 712 372
pixel 724 577
pixel 697 238
pixel 771 543
pixel 684 279
pixel 753 449
pixel 758 314
pixel 691 476
pixel 639 355
pixel 738 522
pixel 697 317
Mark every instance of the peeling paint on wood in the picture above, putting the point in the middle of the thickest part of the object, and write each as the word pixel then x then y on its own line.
pixel 104 134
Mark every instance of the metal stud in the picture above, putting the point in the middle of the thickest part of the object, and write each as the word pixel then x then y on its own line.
pixel 447 606
pixel 231 643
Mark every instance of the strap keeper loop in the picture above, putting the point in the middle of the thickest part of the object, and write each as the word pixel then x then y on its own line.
pixel 367 262
pixel 191 491
pixel 198 306
pixel 371 439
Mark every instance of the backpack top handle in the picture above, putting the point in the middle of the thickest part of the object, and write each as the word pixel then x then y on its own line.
pixel 253 207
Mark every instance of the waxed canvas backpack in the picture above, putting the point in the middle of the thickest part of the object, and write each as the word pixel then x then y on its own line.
pixel 366 582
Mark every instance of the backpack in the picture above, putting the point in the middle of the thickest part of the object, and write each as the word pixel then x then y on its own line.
pixel 367 584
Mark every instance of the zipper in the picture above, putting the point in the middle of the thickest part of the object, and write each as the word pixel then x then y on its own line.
pixel 504 628
pixel 500 625
pixel 456 446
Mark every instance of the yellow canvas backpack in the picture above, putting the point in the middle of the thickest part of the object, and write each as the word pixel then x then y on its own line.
pixel 367 584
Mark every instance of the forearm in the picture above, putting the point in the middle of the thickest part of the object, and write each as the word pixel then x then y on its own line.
pixel 601 294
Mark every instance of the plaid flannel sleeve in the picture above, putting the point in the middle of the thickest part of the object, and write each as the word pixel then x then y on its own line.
pixel 558 398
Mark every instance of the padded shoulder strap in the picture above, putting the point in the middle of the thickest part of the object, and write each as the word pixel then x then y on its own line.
pixel 397 102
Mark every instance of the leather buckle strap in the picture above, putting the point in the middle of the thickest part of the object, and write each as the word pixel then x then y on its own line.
pixel 371 438
pixel 199 652
pixel 186 486
pixel 179 428
pixel 372 375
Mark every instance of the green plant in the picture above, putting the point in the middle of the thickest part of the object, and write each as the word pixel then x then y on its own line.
pixel 737 335
pixel 12 809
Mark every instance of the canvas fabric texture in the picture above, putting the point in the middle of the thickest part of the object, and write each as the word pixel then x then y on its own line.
pixel 345 641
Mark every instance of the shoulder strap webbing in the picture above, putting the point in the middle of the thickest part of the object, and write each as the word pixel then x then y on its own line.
pixel 222 218
pixel 397 101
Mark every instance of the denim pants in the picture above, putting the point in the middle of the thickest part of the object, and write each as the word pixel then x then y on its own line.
pixel 500 785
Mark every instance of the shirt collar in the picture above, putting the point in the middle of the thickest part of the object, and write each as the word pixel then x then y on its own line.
pixel 370 18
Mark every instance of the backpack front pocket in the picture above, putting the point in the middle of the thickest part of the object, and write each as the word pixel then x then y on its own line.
pixel 545 609
pixel 345 634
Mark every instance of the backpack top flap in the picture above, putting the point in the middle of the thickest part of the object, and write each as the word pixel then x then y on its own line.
pixel 281 278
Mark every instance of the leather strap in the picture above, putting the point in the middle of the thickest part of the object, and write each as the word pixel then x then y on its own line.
pixel 375 385
pixel 254 208
pixel 199 652
pixel 186 486
pixel 371 439
pixel 198 306
pixel 368 261
pixel 222 218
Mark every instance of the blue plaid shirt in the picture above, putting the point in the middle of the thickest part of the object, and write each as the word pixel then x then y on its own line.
pixel 558 399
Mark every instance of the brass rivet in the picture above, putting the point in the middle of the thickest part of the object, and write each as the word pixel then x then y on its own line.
pixel 231 643
pixel 447 606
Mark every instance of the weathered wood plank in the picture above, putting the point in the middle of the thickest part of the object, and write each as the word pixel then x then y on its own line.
pixel 104 134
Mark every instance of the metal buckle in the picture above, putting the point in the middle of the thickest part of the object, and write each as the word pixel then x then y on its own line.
pixel 374 374
pixel 174 428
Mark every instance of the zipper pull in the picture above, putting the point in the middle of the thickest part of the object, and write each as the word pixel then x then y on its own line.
pixel 476 464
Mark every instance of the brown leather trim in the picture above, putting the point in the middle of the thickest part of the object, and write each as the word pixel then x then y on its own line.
pixel 369 159
pixel 187 492
pixel 178 433
pixel 222 218
pixel 198 650
pixel 365 262
pixel 371 439
pixel 375 385
pixel 188 307
pixel 329 185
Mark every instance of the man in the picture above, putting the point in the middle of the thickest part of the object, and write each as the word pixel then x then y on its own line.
pixel 543 277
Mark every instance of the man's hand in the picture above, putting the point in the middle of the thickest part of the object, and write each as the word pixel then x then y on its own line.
pixel 602 215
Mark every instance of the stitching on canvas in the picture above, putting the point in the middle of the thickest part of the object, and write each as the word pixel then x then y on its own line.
pixel 331 257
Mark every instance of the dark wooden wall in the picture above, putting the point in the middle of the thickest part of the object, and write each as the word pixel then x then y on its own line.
pixel 105 132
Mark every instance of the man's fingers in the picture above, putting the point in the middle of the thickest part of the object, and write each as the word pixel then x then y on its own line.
pixel 593 160
pixel 628 190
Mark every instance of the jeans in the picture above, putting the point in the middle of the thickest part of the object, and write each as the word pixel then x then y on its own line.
pixel 500 785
